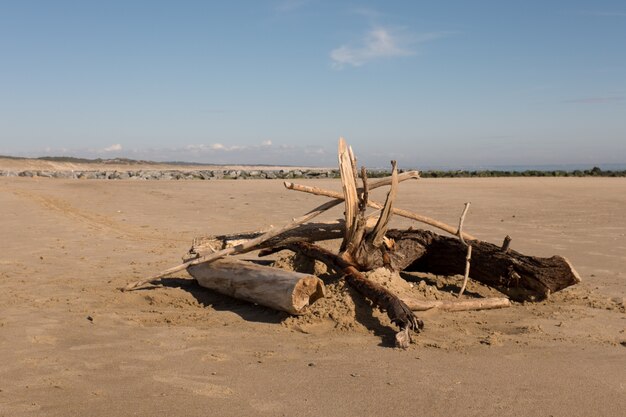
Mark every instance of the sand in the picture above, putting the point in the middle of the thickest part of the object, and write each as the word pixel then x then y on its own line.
pixel 71 344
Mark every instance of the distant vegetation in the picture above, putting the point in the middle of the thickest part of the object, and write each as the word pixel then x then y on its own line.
pixel 594 172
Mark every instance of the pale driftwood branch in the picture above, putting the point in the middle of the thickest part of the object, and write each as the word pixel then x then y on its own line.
pixel 457 305
pixel 400 212
pixel 459 231
pixel 238 248
pixel 347 169
pixel 468 258
pixel 309 232
pixel 380 229
pixel 279 289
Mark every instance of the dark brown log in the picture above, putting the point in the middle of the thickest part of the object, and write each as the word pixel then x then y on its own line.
pixel 519 276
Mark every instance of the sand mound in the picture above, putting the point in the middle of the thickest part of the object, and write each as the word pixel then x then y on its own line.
pixel 345 309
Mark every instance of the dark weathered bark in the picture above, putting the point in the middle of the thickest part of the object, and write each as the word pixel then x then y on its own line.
pixel 517 275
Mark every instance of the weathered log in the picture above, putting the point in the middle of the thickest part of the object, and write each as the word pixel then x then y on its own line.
pixel 456 305
pixel 519 276
pixel 279 289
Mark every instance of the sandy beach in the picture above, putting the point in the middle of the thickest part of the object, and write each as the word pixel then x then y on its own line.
pixel 72 344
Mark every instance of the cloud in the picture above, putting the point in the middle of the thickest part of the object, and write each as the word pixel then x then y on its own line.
pixel 266 143
pixel 597 100
pixel 378 43
pixel 113 148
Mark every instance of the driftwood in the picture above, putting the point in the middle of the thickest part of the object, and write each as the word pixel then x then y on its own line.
pixel 282 290
pixel 253 243
pixel 456 305
pixel 400 212
pixel 310 232
pixel 369 243
pixel 519 276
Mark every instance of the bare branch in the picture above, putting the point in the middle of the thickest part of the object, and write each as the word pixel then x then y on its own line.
pixel 385 216
pixel 400 212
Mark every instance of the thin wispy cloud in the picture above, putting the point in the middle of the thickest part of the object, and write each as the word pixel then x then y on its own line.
pixel 379 43
pixel 597 100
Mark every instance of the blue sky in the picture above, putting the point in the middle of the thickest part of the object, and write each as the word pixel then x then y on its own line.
pixel 450 83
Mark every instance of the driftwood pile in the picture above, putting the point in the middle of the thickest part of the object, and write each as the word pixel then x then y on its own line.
pixel 367 244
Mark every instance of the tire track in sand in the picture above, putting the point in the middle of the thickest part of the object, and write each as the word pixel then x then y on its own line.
pixel 94 221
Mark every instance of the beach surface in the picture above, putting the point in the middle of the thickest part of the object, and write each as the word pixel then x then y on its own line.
pixel 72 344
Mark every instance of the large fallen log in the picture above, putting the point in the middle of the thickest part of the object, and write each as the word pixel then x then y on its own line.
pixel 276 288
pixel 519 276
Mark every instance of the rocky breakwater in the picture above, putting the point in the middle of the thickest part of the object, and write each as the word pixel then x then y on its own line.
pixel 175 174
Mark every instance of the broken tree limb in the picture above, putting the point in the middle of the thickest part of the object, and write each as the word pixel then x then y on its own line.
pixel 378 234
pixel 279 289
pixel 468 259
pixel 400 212
pixel 456 305
pixel 309 232
pixel 519 276
pixel 459 231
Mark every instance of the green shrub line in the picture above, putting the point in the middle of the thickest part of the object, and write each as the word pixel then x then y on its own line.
pixel 488 173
